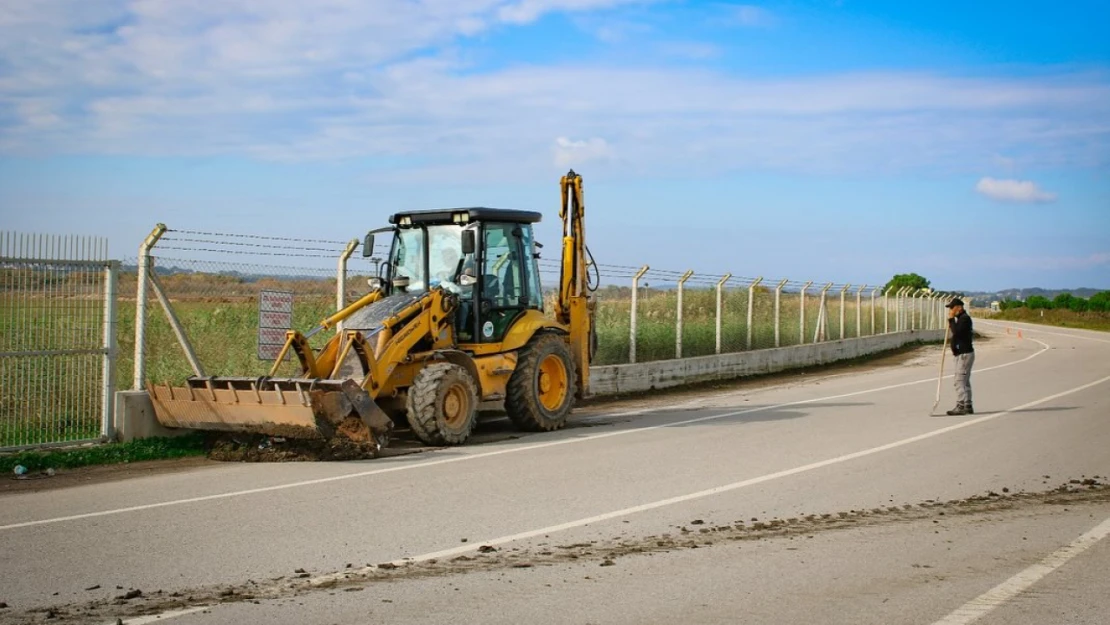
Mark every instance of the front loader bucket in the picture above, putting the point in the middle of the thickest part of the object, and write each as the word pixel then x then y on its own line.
pixel 286 407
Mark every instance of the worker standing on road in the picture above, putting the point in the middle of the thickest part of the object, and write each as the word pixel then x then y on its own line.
pixel 959 325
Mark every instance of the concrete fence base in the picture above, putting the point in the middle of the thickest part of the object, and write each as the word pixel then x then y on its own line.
pixel 135 413
pixel 635 378
pixel 135 418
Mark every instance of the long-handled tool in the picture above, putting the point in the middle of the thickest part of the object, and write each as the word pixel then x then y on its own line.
pixel 943 354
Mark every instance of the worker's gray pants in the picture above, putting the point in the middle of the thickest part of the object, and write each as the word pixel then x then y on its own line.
pixel 963 377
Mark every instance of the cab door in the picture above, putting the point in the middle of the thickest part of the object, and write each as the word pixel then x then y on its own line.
pixel 502 287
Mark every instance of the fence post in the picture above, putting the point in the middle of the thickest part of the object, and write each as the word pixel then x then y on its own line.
pixel 108 384
pixel 886 310
pixel 751 304
pixel 635 300
pixel 915 309
pixel 778 316
pixel 145 266
pixel 720 305
pixel 802 338
pixel 341 280
pixel 902 309
pixel 175 325
pixel 678 316
pixel 859 311
pixel 842 292
pixel 823 315
pixel 874 292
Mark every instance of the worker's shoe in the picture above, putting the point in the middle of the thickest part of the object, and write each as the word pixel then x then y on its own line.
pixel 960 409
pixel 969 409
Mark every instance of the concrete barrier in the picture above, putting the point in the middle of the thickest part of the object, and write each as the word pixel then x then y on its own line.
pixel 639 377
pixel 135 418
pixel 135 413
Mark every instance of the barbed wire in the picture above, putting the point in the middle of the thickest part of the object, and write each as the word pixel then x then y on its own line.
pixel 211 243
pixel 253 245
pixel 253 236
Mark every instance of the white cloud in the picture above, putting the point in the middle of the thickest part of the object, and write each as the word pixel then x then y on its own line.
pixel 752 16
pixel 570 153
pixel 281 79
pixel 1013 190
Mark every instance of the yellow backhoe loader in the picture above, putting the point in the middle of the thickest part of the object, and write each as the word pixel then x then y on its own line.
pixel 454 319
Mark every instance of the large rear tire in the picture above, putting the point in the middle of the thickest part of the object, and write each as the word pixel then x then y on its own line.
pixel 541 390
pixel 442 404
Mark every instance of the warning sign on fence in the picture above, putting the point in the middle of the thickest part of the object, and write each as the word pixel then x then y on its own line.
pixel 275 317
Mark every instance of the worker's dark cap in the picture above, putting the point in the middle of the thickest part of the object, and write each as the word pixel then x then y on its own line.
pixel 955 302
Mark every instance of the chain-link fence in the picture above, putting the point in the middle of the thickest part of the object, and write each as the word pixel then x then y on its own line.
pixel 643 314
pixel 665 314
pixel 224 324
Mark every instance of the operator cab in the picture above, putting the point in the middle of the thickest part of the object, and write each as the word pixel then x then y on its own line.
pixel 486 256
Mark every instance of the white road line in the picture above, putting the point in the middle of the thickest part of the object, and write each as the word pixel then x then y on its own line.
pixel 487 454
pixel 446 553
pixel 551 529
pixel 164 616
pixel 980 606
pixel 1032 327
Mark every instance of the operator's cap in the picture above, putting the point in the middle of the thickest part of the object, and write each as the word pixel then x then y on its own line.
pixel 955 302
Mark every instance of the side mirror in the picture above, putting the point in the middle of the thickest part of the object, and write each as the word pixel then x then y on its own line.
pixel 468 242
pixel 368 245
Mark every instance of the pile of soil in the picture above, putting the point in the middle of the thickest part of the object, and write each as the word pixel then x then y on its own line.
pixel 261 448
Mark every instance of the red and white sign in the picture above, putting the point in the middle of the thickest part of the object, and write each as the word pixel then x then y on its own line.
pixel 275 317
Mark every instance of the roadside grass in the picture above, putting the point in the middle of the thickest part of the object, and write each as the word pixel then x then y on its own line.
pixel 111 453
pixel 1059 318
pixel 221 323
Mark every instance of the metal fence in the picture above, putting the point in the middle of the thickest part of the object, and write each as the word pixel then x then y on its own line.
pixel 202 316
pixel 196 316
pixel 665 314
pixel 57 339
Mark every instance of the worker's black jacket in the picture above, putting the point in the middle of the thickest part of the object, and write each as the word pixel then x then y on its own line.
pixel 960 325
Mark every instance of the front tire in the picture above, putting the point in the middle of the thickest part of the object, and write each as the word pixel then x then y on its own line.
pixel 541 389
pixel 442 404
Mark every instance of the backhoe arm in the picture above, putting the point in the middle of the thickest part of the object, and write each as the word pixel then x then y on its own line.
pixel 573 307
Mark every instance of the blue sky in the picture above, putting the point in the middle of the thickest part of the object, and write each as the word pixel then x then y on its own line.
pixel 842 141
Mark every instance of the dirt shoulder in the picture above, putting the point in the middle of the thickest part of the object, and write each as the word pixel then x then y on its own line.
pixel 82 476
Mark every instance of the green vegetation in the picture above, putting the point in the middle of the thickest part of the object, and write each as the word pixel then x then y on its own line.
pixel 1063 318
pixel 220 317
pixel 911 280
pixel 1098 303
pixel 113 453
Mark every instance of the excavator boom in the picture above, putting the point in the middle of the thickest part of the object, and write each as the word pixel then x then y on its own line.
pixel 573 307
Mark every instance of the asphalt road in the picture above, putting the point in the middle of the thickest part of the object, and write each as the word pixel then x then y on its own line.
pixel 835 498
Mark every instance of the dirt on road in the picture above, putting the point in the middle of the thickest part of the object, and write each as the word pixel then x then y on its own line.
pixel 696 534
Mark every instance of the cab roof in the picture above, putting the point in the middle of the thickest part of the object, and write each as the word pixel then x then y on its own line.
pixel 466 215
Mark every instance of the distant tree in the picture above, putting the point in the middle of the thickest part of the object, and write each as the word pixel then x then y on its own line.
pixel 1100 302
pixel 1038 302
pixel 906 279
pixel 1062 301
pixel 1078 304
pixel 1011 304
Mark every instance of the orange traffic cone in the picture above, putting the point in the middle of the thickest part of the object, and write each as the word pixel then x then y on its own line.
pixel 1019 334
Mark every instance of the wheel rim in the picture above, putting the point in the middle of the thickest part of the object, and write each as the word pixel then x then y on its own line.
pixel 456 405
pixel 553 382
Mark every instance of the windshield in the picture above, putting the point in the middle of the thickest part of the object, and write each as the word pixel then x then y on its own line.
pixel 408 258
